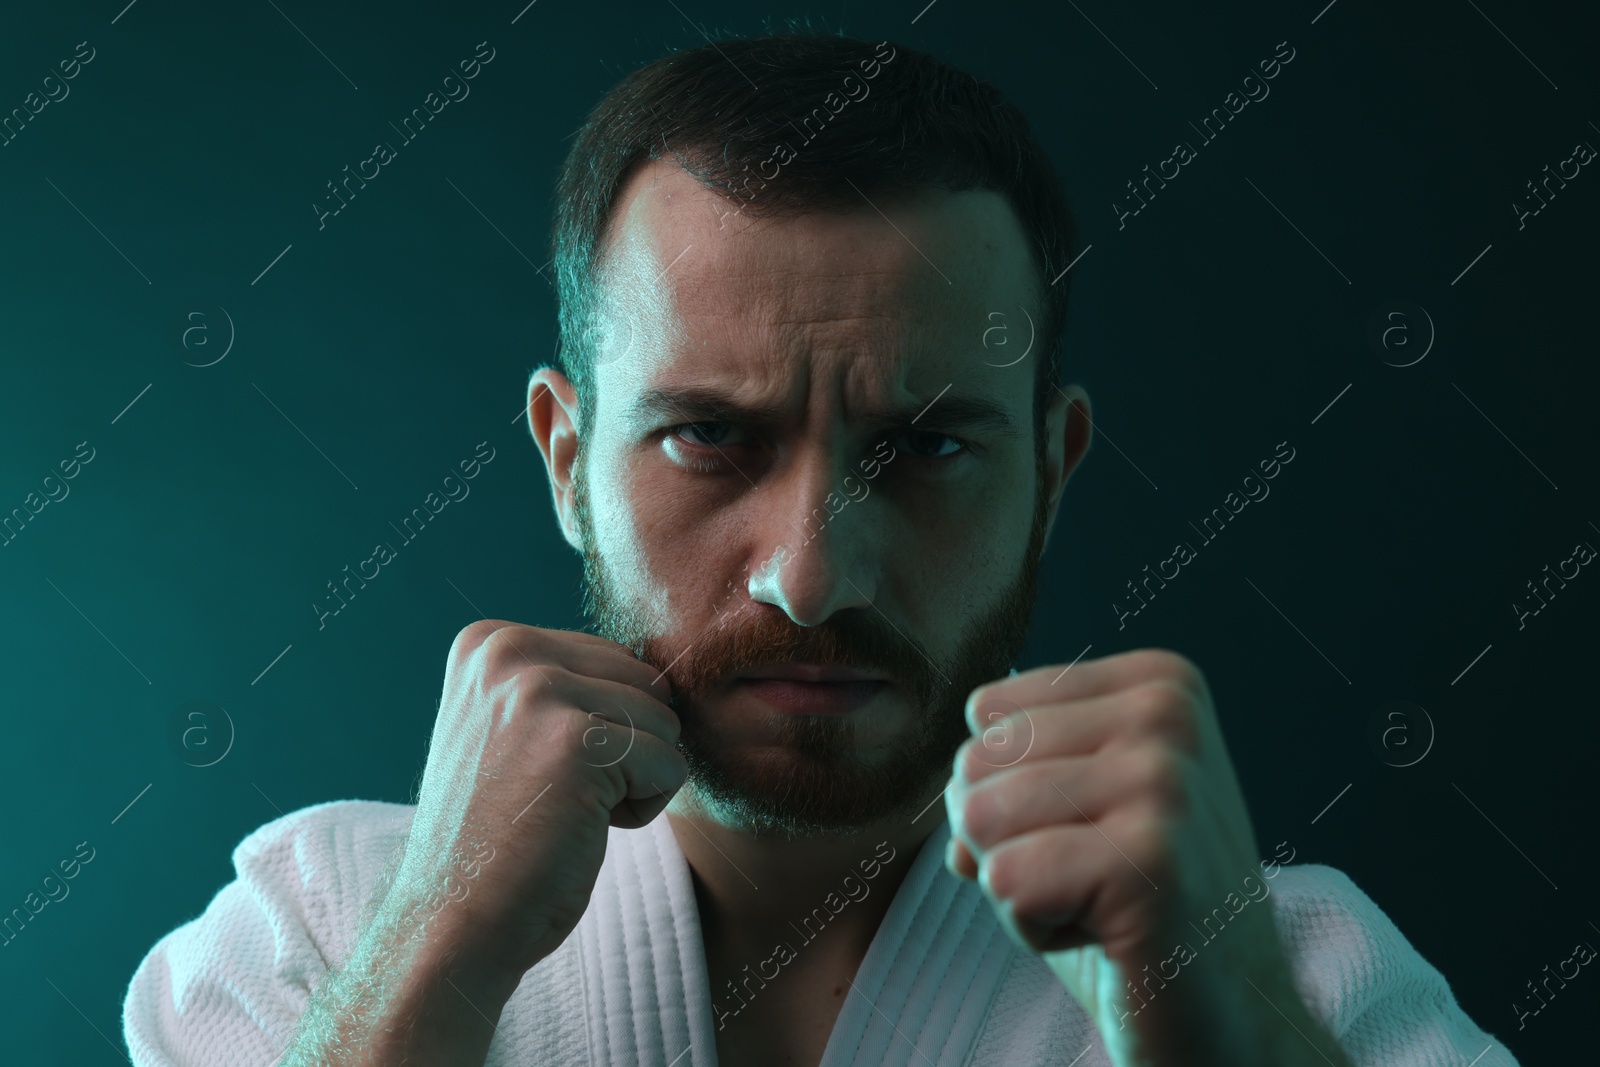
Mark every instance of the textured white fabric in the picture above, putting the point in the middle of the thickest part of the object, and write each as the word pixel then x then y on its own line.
pixel 941 983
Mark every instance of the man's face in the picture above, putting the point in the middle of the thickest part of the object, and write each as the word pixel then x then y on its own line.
pixel 786 466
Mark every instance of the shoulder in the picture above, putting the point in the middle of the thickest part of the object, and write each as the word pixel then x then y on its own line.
pixel 338 838
pixel 304 877
pixel 318 865
pixel 1320 906
pixel 1344 950
pixel 1362 977
pixel 237 976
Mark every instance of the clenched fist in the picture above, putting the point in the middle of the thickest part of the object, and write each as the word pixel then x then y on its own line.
pixel 1098 809
pixel 544 739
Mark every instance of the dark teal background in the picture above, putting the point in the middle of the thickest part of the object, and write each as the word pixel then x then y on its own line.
pixel 378 352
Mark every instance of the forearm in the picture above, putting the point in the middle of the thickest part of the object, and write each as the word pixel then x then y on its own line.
pixel 401 999
pixel 1230 1009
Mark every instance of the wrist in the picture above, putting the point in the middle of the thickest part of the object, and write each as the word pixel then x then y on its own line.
pixel 441 948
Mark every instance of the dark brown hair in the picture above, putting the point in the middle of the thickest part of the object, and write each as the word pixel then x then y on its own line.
pixel 720 110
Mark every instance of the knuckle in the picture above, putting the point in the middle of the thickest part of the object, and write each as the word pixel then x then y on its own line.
pixel 1165 709
pixel 474 632
pixel 1159 773
pixel 604 743
pixel 542 682
pixel 509 641
pixel 1155 705
pixel 524 692
pixel 1172 666
pixel 472 636
pixel 1149 834
pixel 567 735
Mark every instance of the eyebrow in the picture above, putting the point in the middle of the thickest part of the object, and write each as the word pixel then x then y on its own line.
pixel 946 412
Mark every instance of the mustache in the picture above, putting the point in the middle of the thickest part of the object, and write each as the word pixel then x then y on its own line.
pixel 749 640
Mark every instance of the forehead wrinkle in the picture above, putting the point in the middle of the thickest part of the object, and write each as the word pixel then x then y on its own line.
pixel 859 310
pixel 840 371
pixel 778 368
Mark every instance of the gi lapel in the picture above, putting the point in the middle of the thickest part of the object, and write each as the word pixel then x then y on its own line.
pixel 929 976
pixel 647 996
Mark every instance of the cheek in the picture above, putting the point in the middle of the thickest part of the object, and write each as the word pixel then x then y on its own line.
pixel 670 551
pixel 633 538
pixel 970 547
pixel 972 532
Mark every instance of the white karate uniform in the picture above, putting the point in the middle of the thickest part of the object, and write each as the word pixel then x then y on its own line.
pixel 941 984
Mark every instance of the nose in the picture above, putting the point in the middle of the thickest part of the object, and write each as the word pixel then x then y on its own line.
pixel 819 551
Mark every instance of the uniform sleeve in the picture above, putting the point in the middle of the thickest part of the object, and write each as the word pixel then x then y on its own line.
pixel 227 989
pixel 1382 1001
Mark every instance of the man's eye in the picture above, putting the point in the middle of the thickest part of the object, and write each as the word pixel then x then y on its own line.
pixel 931 445
pixel 706 434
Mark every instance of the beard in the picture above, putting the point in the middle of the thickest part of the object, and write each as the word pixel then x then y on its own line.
pixel 809 779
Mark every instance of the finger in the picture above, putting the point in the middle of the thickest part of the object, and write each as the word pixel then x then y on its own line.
pixel 626 705
pixel 1078 789
pixel 517 647
pixel 958 860
pixel 1154 710
pixel 1090 678
pixel 484 627
pixel 635 812
pixel 649 766
pixel 632 814
pixel 1065 886
pixel 611 660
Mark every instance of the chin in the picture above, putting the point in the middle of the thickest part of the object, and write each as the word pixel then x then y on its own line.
pixel 807 775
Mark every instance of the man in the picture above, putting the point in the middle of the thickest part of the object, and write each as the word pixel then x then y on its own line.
pixel 792 804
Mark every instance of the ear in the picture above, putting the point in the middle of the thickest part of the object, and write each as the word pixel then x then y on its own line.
pixel 1067 428
pixel 553 421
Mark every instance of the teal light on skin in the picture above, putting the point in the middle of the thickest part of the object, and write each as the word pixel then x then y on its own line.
pixel 819 336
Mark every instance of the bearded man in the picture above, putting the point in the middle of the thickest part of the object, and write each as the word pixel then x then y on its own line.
pixel 791 803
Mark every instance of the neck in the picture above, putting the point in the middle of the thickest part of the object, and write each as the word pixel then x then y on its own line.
pixel 753 891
